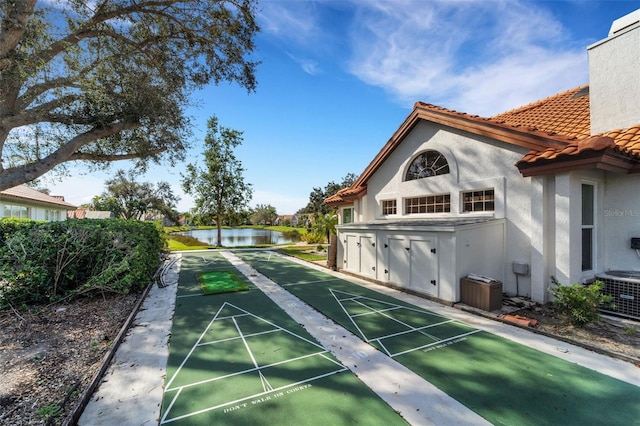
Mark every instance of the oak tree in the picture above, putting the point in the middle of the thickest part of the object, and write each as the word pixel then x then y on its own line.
pixel 316 202
pixel 127 198
pixel 100 81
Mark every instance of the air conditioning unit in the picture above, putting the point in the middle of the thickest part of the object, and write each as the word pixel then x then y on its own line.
pixel 624 287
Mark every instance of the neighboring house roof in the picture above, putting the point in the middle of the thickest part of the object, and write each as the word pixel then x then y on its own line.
pixel 23 192
pixel 555 129
pixel 81 213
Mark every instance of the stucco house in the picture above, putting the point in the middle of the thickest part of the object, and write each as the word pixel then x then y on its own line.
pixel 26 203
pixel 548 189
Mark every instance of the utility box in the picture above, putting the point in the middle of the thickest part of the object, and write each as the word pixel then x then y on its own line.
pixel 480 294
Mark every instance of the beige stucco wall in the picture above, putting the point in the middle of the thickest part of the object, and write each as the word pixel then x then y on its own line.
pixel 620 221
pixel 474 164
pixel 614 80
pixel 36 211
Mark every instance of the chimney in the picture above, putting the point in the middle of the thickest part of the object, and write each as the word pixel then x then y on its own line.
pixel 614 76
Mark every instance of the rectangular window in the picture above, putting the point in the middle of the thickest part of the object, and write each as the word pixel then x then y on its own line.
pixel 347 215
pixel 588 225
pixel 52 215
pixel 430 204
pixel 478 201
pixel 389 207
pixel 18 212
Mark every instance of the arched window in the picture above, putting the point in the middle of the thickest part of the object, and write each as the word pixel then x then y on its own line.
pixel 426 164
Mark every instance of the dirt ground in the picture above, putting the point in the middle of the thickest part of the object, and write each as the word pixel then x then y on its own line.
pixel 49 356
pixel 611 334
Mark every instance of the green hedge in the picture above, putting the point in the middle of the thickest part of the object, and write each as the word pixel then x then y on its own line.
pixel 41 262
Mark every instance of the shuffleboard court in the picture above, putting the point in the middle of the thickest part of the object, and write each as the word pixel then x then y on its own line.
pixel 505 382
pixel 237 358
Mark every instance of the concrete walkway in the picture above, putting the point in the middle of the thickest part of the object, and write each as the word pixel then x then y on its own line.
pixel 131 390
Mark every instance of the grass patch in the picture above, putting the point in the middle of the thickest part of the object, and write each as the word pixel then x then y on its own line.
pixel 302 252
pixel 184 242
pixel 215 282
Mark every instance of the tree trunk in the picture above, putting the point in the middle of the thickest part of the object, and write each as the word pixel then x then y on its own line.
pixel 219 226
pixel 332 258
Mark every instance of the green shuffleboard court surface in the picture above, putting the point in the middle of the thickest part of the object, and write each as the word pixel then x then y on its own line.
pixel 238 359
pixel 214 282
pixel 505 382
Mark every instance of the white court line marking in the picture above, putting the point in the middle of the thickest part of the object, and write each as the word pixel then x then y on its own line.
pixel 372 311
pixel 265 383
pixel 418 329
pixel 229 339
pixel 410 329
pixel 310 282
pixel 410 308
pixel 437 343
pixel 248 370
pixel 189 295
pixel 252 396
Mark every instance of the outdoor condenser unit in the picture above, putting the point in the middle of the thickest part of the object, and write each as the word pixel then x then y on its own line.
pixel 625 292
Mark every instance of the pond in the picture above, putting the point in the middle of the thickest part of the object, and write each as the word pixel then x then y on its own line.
pixel 236 237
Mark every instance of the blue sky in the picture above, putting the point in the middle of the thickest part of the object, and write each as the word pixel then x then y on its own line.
pixel 338 77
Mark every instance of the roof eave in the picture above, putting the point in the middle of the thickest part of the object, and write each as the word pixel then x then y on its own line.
pixel 527 139
pixel 609 160
pixel 39 202
pixel 342 199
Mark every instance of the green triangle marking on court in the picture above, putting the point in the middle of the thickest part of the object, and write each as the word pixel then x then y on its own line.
pixel 240 357
pixel 397 329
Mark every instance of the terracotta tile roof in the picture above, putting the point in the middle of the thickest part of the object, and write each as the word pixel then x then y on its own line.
pixel 347 194
pixel 565 114
pixel 627 140
pixel 555 129
pixel 515 127
pixel 25 193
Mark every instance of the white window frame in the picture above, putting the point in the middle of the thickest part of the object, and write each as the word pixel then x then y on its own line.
pixel 593 227
pixel 428 203
pixel 385 208
pixel 344 210
pixel 483 201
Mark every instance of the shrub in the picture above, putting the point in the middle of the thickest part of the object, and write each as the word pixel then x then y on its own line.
pixel 314 238
pixel 42 262
pixel 579 302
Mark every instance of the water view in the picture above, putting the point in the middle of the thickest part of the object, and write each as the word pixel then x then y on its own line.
pixel 236 237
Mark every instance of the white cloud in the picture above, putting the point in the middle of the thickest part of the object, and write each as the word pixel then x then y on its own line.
pixel 309 66
pixel 294 21
pixel 476 57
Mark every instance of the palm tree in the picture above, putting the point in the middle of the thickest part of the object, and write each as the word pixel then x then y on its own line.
pixel 326 225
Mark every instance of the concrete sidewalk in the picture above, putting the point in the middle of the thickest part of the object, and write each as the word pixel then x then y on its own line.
pixel 131 391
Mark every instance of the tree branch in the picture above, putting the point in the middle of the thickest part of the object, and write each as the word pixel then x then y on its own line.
pixel 16 175
pixel 13 27
pixel 115 157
